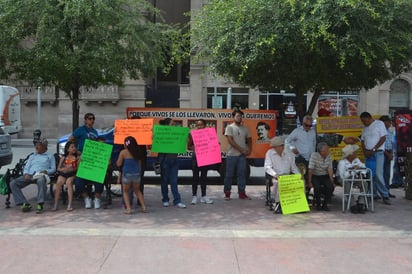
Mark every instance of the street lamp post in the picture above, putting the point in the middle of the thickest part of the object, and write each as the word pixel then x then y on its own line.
pixel 39 81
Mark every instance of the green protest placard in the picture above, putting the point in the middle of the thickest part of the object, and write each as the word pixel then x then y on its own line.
pixel 169 139
pixel 292 194
pixel 94 161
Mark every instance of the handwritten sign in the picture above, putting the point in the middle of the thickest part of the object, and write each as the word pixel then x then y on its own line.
pixel 169 139
pixel 140 129
pixel 207 146
pixel 94 161
pixel 292 194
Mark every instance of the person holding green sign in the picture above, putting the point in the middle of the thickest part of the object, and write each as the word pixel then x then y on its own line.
pixel 169 173
pixel 279 162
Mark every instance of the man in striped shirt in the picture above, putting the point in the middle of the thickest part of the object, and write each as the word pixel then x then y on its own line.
pixel 321 174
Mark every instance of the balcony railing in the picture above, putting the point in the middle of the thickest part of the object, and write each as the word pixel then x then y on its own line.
pixel 28 94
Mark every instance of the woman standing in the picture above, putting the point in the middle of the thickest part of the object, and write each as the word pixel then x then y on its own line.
pixel 202 179
pixel 130 163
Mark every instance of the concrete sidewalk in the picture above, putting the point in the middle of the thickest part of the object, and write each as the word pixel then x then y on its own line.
pixel 236 236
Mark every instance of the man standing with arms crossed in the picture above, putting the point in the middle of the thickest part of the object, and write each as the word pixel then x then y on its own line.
pixel 239 147
pixel 373 143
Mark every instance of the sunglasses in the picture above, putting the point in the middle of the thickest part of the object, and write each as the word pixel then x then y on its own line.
pixel 306 125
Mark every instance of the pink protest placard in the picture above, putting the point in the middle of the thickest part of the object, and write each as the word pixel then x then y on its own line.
pixel 207 146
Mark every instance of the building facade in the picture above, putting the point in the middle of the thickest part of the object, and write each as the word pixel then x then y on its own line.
pixel 187 86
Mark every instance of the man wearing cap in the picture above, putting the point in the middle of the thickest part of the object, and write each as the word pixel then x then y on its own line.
pixel 279 162
pixel 39 165
pixel 373 143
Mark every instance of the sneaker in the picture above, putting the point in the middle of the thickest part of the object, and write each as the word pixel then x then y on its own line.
pixel 181 205
pixel 87 203
pixel 243 196
pixel 97 203
pixel 25 207
pixel 386 201
pixel 206 200
pixel 39 209
pixel 194 200
pixel 227 195
pixel 166 204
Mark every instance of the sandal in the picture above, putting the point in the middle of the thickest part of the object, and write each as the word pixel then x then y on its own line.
pixel 54 208
pixel 143 210
pixel 69 208
pixel 127 211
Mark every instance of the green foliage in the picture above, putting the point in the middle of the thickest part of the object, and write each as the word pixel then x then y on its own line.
pixel 307 45
pixel 75 43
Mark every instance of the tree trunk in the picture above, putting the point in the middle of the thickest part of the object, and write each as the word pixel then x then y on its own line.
pixel 75 109
pixel 314 101
pixel 299 108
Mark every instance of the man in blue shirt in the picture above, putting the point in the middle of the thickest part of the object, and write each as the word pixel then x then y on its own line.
pixel 85 132
pixel 80 135
pixel 39 165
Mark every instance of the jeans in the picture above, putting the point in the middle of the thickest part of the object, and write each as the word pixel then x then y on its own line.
pixel 327 190
pixel 396 176
pixel 170 169
pixel 81 183
pixel 202 179
pixel 19 183
pixel 238 164
pixel 386 171
pixel 375 163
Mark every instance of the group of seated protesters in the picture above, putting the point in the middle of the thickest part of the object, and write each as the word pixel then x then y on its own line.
pixel 279 161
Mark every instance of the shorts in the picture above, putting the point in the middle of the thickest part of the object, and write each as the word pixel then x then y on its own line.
pixel 67 174
pixel 129 178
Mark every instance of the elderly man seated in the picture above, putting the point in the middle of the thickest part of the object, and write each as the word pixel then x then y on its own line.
pixel 320 175
pixel 39 165
pixel 350 165
pixel 279 162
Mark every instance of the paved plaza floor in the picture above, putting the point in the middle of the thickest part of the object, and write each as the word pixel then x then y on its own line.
pixel 236 236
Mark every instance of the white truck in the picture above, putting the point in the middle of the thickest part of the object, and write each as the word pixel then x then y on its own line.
pixel 10 122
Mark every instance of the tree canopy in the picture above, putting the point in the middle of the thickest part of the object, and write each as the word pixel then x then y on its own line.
pixel 305 46
pixel 75 43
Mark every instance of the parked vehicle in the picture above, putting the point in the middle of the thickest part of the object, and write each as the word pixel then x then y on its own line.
pixel 10 122
pixel 6 153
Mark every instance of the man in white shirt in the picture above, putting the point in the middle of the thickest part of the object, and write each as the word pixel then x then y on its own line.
pixel 279 162
pixel 373 144
pixel 240 146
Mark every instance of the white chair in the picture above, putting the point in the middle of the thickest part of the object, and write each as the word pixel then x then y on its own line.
pixel 360 184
